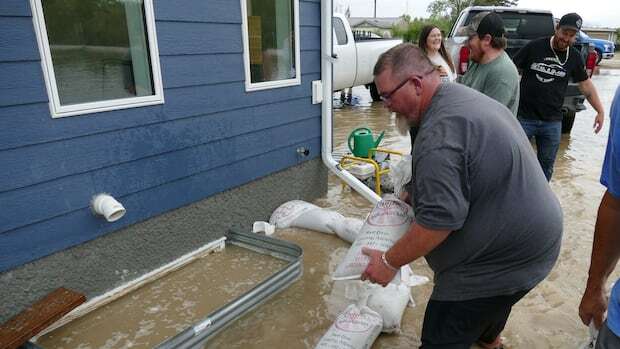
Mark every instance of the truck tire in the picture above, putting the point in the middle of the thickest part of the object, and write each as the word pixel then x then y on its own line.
pixel 373 92
pixel 568 119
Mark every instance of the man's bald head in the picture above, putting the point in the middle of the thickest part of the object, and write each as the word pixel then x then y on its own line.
pixel 403 60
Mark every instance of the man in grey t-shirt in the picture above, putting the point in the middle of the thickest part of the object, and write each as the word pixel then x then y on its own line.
pixel 487 221
pixel 491 71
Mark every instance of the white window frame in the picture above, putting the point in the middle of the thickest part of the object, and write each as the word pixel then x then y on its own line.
pixel 57 110
pixel 257 86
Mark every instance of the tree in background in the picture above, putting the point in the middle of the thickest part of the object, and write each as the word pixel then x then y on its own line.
pixel 410 31
pixel 452 8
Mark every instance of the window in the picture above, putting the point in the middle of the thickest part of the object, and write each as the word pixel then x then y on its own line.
pixel 98 55
pixel 271 43
pixel 340 31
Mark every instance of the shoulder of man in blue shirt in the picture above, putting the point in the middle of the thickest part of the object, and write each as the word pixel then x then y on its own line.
pixel 610 174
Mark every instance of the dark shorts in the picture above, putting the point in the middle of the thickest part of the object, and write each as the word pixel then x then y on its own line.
pixel 459 324
pixel 607 339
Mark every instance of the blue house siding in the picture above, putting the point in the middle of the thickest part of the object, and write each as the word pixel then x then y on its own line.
pixel 208 137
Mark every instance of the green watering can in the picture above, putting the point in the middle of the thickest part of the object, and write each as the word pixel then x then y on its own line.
pixel 363 142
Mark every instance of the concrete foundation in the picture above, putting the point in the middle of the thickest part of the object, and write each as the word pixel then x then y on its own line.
pixel 110 261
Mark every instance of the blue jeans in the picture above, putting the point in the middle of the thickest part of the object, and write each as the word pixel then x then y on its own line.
pixel 547 135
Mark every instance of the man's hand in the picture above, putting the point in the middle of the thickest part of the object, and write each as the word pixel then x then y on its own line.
pixel 376 271
pixel 442 71
pixel 593 306
pixel 598 122
pixel 589 91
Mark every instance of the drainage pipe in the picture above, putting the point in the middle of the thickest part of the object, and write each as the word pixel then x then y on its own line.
pixel 326 111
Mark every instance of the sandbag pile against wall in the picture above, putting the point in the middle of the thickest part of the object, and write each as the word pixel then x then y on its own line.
pixel 357 327
pixel 301 214
pixel 388 221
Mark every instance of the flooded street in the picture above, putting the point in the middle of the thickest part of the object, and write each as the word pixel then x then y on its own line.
pixel 546 318
pixel 300 315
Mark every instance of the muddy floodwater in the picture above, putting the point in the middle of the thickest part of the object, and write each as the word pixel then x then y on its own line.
pixel 161 309
pixel 300 315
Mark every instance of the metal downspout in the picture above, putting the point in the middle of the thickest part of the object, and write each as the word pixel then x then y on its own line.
pixel 326 107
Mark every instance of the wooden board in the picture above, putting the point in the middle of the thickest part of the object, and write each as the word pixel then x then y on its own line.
pixel 37 317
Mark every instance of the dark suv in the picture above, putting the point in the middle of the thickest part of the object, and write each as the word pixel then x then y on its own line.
pixel 522 26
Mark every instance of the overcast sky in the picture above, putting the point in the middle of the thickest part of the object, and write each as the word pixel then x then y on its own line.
pixel 600 13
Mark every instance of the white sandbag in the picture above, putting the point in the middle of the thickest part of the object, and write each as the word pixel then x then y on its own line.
pixel 321 220
pixel 400 174
pixel 286 213
pixel 349 229
pixel 301 214
pixel 387 223
pixel 407 277
pixel 355 328
pixel 389 302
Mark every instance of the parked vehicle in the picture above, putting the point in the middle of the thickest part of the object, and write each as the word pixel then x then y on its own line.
pixel 522 26
pixel 604 48
pixel 355 57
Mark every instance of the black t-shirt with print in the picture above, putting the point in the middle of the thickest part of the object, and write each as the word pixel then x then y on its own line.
pixel 544 79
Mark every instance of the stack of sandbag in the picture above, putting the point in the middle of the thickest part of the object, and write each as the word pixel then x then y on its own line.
pixel 301 214
pixel 389 220
pixel 374 308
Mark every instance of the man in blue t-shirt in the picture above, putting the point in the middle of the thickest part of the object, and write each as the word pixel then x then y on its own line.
pixel 606 247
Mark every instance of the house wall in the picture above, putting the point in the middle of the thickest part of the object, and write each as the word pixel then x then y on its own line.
pixel 601 34
pixel 209 137
pixel 116 258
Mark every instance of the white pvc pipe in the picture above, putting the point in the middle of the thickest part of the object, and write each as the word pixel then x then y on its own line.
pixel 107 206
pixel 326 111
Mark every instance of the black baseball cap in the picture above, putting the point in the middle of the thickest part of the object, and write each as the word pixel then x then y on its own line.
pixel 571 21
pixel 484 23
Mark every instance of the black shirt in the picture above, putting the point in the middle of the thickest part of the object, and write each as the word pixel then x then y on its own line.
pixel 544 79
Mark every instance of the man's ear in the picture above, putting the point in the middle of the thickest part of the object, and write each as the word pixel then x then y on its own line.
pixel 487 39
pixel 417 84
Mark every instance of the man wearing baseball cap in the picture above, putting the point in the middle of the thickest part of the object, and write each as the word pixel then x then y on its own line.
pixel 547 65
pixel 491 70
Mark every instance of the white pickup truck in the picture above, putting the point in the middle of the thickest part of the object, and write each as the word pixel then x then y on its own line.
pixel 355 58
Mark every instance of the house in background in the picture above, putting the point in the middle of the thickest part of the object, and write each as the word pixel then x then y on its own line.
pixel 191 116
pixel 602 33
pixel 380 26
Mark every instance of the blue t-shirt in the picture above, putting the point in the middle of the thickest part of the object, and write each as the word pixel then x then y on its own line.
pixel 610 177
pixel 613 310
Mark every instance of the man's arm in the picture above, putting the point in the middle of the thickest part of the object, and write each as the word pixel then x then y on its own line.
pixel 605 255
pixel 587 88
pixel 417 242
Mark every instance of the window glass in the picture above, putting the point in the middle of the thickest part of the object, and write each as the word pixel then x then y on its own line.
pixel 341 33
pixel 99 49
pixel 271 39
pixel 523 25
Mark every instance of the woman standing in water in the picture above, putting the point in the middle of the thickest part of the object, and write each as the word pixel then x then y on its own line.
pixel 431 42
